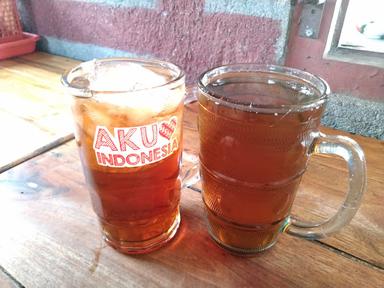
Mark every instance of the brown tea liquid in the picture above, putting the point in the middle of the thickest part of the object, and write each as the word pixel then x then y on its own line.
pixel 138 207
pixel 252 160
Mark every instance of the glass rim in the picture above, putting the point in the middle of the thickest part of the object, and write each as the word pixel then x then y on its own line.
pixel 271 69
pixel 87 92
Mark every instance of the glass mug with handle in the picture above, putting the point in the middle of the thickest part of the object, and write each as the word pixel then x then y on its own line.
pixel 128 127
pixel 258 126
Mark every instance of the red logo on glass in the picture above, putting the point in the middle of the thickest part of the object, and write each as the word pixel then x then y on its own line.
pixel 135 146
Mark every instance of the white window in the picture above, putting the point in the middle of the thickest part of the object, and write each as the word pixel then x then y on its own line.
pixel 357 32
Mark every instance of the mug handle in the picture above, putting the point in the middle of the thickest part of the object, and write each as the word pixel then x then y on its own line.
pixel 351 152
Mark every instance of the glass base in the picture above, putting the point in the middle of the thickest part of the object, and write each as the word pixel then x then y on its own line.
pixel 143 247
pixel 241 251
pixel 240 239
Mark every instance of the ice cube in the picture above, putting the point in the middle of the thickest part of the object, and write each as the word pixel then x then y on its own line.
pixel 129 85
pixel 124 77
pixel 146 102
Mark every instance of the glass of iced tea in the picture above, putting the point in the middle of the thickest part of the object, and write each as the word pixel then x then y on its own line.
pixel 128 127
pixel 258 126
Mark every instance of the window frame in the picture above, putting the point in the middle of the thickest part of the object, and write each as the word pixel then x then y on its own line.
pixel 334 52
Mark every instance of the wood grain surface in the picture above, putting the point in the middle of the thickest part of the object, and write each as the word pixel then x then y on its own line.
pixel 6 281
pixel 33 107
pixel 50 236
pixel 51 239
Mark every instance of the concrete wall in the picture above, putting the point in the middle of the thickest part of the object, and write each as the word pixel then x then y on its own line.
pixel 198 34
pixel 194 34
pixel 357 102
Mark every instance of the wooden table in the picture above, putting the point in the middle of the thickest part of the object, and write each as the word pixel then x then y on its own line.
pixel 50 236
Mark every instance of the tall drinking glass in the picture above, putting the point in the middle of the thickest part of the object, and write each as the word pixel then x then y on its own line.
pixel 128 125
